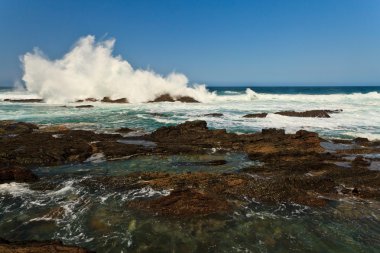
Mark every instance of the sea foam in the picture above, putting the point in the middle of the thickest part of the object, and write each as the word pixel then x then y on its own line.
pixel 90 69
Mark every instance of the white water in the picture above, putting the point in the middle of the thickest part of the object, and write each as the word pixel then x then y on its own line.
pixel 90 70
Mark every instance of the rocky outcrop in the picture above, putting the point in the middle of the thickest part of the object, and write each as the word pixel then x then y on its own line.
pixel 168 98
pixel 84 106
pixel 38 247
pixel 256 115
pixel 16 174
pixel 311 113
pixel 86 100
pixel 116 101
pixel 10 127
pixel 124 130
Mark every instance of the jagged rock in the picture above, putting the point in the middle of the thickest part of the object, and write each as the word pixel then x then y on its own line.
pixel 168 98
pixel 109 100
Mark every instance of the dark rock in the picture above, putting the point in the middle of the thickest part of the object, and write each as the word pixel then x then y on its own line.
pixel 359 161
pixel 124 130
pixel 38 247
pixel 186 99
pixel 273 131
pixel 109 100
pixel 214 115
pixel 202 163
pixel 186 202
pixel 84 106
pixel 311 113
pixel 168 98
pixel 256 115
pixel 156 114
pixel 361 141
pixel 16 174
pixel 13 127
pixel 32 100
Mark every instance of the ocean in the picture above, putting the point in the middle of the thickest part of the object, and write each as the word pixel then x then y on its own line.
pixel 98 219
pixel 359 118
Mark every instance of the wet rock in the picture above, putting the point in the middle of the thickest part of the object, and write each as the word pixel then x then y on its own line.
pixel 214 115
pixel 38 247
pixel 186 99
pixel 168 98
pixel 86 100
pixel 256 115
pixel 84 106
pixel 16 174
pixel 187 202
pixel 12 127
pixel 311 113
pixel 124 130
pixel 359 161
pixel 32 100
pixel 156 114
pixel 202 163
pixel 118 101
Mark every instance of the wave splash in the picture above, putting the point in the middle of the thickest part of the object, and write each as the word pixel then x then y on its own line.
pixel 91 70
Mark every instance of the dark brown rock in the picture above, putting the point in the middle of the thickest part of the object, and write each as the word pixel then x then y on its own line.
pixel 84 106
pixel 256 115
pixel 186 99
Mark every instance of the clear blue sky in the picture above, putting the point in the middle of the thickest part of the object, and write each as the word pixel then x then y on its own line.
pixel 216 42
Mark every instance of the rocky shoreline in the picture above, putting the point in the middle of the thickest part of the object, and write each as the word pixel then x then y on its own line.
pixel 300 168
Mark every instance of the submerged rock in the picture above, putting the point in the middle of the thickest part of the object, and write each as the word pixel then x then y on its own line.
pixel 124 130
pixel 311 113
pixel 84 106
pixel 256 115
pixel 38 247
pixel 13 127
pixel 214 115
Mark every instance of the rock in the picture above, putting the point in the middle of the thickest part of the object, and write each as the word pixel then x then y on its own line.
pixel 214 115
pixel 53 128
pixel 311 113
pixel 163 98
pixel 124 130
pixel 187 202
pixel 256 115
pixel 359 161
pixel 84 106
pixel 168 98
pixel 109 100
pixel 32 100
pixel 186 99
pixel 361 141
pixel 155 114
pixel 202 163
pixel 16 174
pixel 38 247
pixel 13 127
pixel 273 131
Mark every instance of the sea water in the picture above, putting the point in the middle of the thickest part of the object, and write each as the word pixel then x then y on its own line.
pixel 97 218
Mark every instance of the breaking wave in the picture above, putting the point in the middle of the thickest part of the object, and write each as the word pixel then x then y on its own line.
pixel 90 69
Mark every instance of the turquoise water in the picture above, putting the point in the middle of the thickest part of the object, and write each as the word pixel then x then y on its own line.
pixel 360 116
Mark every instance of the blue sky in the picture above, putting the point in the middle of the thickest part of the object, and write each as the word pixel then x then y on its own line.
pixel 214 42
